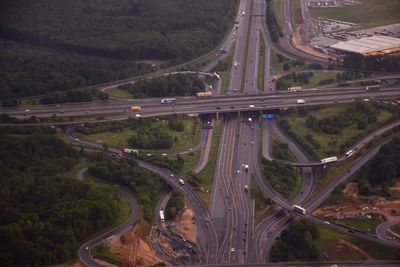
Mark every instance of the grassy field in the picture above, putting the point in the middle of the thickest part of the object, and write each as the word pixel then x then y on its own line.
pixel 276 65
pixel 324 177
pixel 262 204
pixel 295 12
pixel 313 81
pixel 185 139
pixel 371 13
pixel 278 11
pixel 330 144
pixel 103 251
pixel 261 65
pixel 116 92
pixel 224 70
pixel 363 224
pixel 207 174
pixel 331 242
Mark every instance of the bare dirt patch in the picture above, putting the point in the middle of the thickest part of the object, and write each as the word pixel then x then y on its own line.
pixel 351 189
pixel 361 207
pixel 186 225
pixel 133 250
pixel 298 43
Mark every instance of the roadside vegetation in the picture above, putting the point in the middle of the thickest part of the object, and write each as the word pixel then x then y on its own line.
pixel 380 173
pixel 171 85
pixel 272 23
pixel 104 252
pixel 340 247
pixel 91 44
pixel 277 6
pixel 307 241
pixel 297 243
pixel 170 133
pixel 261 65
pixel 366 225
pixel 262 206
pixel 203 181
pixel 282 65
pixel 327 131
pixel 305 79
pixel 224 69
pixel 42 205
pixel 370 13
pixel 175 205
pixel 144 185
pixel 284 179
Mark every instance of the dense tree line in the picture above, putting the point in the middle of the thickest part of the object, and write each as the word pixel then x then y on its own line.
pixel 48 46
pixel 148 133
pixel 144 185
pixel 296 78
pixel 382 170
pixel 73 95
pixel 171 85
pixel 360 113
pixel 281 177
pixel 151 139
pixel 44 214
pixel 175 205
pixel 297 243
pixel 389 63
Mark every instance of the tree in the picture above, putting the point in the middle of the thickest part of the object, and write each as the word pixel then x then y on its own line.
pixel 361 125
pixel 286 66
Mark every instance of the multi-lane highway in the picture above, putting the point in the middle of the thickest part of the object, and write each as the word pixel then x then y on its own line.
pixel 227 235
pixel 220 104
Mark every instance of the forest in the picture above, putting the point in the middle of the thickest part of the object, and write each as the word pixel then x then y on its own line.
pixel 48 46
pixel 45 214
pixel 171 85
pixel 144 185
pixel 382 170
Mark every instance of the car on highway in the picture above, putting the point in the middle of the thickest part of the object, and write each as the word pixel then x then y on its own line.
pixel 326 222
pixel 27 110
pixel 171 174
pixel 86 248
pixel 181 182
pixel 252 106
pixel 232 250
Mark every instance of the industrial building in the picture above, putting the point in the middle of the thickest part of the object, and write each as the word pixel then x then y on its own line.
pixel 369 46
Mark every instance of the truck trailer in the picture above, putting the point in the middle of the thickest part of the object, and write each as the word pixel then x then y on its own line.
pixel 299 209
pixel 327 160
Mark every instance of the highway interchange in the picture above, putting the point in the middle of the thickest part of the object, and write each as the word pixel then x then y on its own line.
pixel 226 231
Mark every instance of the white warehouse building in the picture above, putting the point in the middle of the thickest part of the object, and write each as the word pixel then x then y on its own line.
pixel 369 46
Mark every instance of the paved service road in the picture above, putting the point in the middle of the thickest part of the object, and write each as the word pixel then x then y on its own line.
pixel 381 230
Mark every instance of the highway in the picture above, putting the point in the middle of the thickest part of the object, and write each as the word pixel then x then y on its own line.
pixel 381 230
pixel 226 232
pixel 221 104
